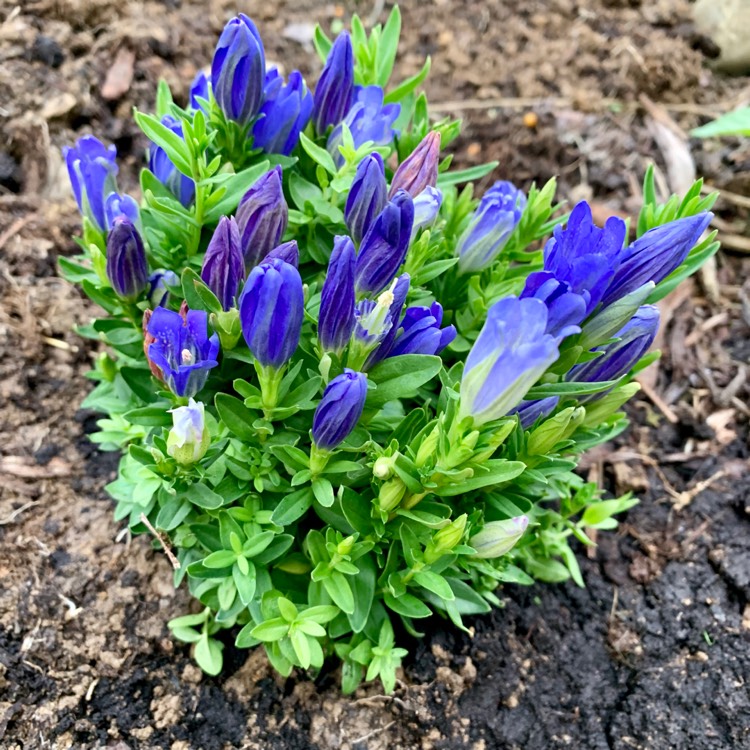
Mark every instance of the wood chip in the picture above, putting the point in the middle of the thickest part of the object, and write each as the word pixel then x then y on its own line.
pixel 27 468
pixel 119 76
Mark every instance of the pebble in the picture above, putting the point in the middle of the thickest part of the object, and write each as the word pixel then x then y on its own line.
pixel 46 50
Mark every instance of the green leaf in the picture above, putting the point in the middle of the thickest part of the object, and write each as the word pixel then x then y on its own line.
pixel 197 294
pixel 204 497
pixel 489 473
pixel 387 47
pixel 322 43
pixel 569 389
pixel 140 382
pixel 176 148
pixel 235 186
pixel 221 559
pixel 465 175
pixel 407 605
pixel 293 507
pixel 400 377
pixel 318 155
pixel 363 587
pixel 321 613
pixel 173 513
pixel 150 416
pixel 164 99
pixel 434 583
pixel 208 654
pixel 409 85
pixel 323 491
pixel 338 588
pixel 244 582
pixel 732 123
pixel 236 416
pixel 271 630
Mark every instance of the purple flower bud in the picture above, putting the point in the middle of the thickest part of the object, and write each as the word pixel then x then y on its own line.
pixel 335 90
pixel 655 255
pixel 118 206
pixel 367 196
pixel 287 251
pixel 420 169
pixel 490 228
pixel 284 114
pixel 529 411
pixel 584 256
pixel 261 218
pixel 271 311
pixel 421 332
pixel 384 335
pixel 510 354
pixel 158 287
pixel 127 268
pixel 618 358
pixel 181 349
pixel 385 245
pixel 238 70
pixel 199 89
pixel 339 409
pixel 368 120
pixel 180 185
pixel 223 268
pixel 336 320
pixel 426 208
pixel 565 309
pixel 92 169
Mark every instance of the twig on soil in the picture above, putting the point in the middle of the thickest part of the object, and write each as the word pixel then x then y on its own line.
pixel 374 732
pixel 15 228
pixel 165 545
pixel 658 401
pixel 740 200
pixel 17 512
pixel 735 242
pixel 687 497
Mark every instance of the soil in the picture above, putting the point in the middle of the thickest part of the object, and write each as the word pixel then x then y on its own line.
pixel 654 653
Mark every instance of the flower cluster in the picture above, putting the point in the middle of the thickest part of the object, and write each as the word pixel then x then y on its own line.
pixel 348 394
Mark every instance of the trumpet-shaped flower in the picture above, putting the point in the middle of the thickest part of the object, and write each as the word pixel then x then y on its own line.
pixel 339 409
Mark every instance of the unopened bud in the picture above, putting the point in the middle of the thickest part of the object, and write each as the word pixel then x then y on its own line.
pixel 383 467
pixel 428 447
pixel 189 438
pixel 446 539
pixel 344 547
pixel 497 538
pixel 391 494
pixel 555 429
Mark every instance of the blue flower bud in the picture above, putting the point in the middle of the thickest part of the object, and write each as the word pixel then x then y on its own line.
pixel 426 208
pixel 181 349
pixel 421 333
pixel 287 251
pixel 529 411
pixel 180 185
pixel 199 89
pixel 92 169
pixel 510 354
pixel 565 309
pixel 368 120
pixel 335 90
pixel 271 311
pixel 367 196
pixel 619 357
pixel 127 268
pixel 383 335
pixel 655 255
pixel 336 319
pixel 238 70
pixel 420 169
pixel 261 217
pixel 385 245
pixel 494 220
pixel 584 256
pixel 188 440
pixel 339 409
pixel 119 206
pixel 284 114
pixel 158 287
pixel 223 268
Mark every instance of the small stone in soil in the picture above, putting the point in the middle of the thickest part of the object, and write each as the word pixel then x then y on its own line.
pixel 46 50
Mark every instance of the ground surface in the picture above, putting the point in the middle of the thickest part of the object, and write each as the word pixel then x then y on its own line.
pixel 653 654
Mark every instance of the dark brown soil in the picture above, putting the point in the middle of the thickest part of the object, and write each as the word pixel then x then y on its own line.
pixel 654 653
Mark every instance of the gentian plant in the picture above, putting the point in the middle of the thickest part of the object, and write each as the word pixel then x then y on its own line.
pixel 350 396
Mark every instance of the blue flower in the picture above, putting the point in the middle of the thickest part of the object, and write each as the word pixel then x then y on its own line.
pixel 182 349
pixel 336 319
pixel 385 245
pixel 565 309
pixel 421 333
pixel 339 409
pixel 509 356
pixel 223 267
pixel 180 185
pixel 238 70
pixel 529 411
pixel 271 312
pixel 491 226
pixel 118 206
pixel 284 114
pixel 92 169
pixel 127 268
pixel 261 217
pixel 584 256
pixel 158 287
pixel 335 90
pixel 618 358
pixel 199 89
pixel 655 255
pixel 377 321
pixel 420 169
pixel 368 120
pixel 367 196
pixel 287 251
pixel 189 438
pixel 426 208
